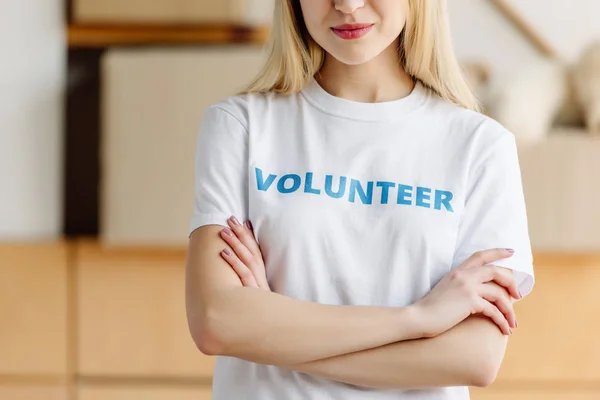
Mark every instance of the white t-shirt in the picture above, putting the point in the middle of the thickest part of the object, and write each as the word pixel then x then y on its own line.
pixel 357 204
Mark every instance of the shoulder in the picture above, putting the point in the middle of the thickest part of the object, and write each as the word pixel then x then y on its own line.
pixel 467 122
pixel 244 107
pixel 477 134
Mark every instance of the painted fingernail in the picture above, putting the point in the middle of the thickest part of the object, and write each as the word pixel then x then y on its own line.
pixel 234 220
pixel 249 224
pixel 510 330
pixel 511 251
pixel 227 252
pixel 516 323
pixel 228 231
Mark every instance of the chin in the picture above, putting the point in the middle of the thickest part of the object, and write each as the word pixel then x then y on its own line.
pixel 355 57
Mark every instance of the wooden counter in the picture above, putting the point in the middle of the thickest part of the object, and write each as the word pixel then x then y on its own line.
pixel 94 322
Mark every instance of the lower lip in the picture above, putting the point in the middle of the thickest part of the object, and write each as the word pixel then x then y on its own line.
pixel 349 34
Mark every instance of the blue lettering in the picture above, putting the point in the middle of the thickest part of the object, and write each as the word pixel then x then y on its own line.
pixel 308 184
pixel 385 188
pixel 261 183
pixel 295 185
pixel 365 198
pixel 404 194
pixel 418 196
pixel 341 189
pixel 423 194
pixel 443 197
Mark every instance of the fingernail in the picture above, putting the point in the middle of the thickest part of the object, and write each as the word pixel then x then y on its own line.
pixel 516 323
pixel 249 224
pixel 228 231
pixel 227 252
pixel 511 251
pixel 520 295
pixel 234 220
pixel 510 330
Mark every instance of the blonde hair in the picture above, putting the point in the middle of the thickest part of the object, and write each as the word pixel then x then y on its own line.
pixel 426 53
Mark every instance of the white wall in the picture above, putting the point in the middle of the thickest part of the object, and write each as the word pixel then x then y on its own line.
pixel 32 67
pixel 568 24
pixel 480 31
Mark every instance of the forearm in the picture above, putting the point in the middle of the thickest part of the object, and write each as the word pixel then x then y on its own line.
pixel 269 328
pixel 469 354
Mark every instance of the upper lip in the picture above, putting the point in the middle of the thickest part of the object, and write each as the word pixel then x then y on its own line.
pixel 349 27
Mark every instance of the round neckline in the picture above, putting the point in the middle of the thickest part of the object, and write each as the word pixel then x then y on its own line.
pixel 379 111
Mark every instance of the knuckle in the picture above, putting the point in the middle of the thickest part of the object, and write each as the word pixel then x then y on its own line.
pixel 459 275
pixel 475 300
pixel 479 256
pixel 246 274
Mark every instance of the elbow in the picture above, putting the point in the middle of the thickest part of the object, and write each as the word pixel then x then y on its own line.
pixel 485 354
pixel 484 374
pixel 205 336
pixel 207 342
pixel 486 365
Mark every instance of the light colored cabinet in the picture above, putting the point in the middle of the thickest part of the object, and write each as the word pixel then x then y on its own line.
pixel 33 309
pixel 534 394
pixel 172 11
pixel 34 392
pixel 131 315
pixel 153 105
pixel 143 393
pixel 557 337
pixel 122 313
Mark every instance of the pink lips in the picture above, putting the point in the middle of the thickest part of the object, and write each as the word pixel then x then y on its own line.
pixel 352 31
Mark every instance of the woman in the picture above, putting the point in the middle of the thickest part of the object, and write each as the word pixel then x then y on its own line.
pixel 388 236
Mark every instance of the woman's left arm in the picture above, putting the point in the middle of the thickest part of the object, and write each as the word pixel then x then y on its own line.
pixel 469 354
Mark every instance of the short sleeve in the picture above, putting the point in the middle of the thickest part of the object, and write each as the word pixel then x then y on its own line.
pixel 495 214
pixel 220 170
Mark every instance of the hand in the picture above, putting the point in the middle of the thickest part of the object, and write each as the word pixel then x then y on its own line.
pixel 246 259
pixel 472 288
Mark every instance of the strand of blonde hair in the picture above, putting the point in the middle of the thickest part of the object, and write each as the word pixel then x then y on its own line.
pixel 426 53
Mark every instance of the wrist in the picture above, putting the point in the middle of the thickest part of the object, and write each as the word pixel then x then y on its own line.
pixel 410 319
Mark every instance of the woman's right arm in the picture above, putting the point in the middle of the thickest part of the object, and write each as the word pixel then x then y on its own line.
pixel 228 319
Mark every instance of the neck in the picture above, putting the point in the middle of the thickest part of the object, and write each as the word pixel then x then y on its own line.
pixel 379 80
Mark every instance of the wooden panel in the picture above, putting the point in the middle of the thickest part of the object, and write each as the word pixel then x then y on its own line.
pixel 9 392
pixel 132 317
pixel 492 393
pixel 558 325
pixel 33 309
pixel 144 393
pixel 163 11
pixel 82 36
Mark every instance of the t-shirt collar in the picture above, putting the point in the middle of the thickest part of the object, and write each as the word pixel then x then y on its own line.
pixel 380 111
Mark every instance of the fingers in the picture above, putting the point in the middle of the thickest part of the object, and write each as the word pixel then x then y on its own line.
pixel 243 272
pixel 244 234
pixel 246 251
pixel 491 311
pixel 240 249
pixel 498 296
pixel 484 257
pixel 493 273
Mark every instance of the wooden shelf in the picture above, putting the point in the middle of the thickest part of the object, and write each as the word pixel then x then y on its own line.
pixel 99 36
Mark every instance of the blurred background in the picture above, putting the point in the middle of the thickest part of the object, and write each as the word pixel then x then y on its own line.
pixel 100 103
